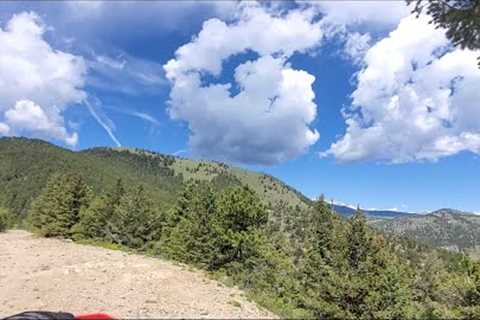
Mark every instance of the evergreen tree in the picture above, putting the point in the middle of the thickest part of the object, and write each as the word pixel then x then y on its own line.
pixel 359 240
pixel 3 219
pixel 57 208
pixel 240 213
pixel 94 218
pixel 321 270
pixel 134 222
pixel 322 238
pixel 191 237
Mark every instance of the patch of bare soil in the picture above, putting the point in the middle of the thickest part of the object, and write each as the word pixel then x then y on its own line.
pixel 56 275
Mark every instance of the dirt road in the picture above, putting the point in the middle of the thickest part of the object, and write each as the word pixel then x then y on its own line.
pixel 55 275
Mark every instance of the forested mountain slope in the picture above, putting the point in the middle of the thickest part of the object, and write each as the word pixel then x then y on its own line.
pixel 26 165
pixel 445 228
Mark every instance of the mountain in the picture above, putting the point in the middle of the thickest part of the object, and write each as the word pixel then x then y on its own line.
pixel 26 165
pixel 445 228
pixel 347 212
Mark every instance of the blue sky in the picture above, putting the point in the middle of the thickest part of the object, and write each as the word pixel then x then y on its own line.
pixel 356 100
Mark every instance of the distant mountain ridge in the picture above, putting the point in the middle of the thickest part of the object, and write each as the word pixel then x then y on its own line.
pixel 450 229
pixel 347 212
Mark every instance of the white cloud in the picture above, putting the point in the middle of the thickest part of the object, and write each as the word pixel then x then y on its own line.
pixel 4 129
pixel 416 99
pixel 141 115
pixel 356 46
pixel 353 12
pixel 26 116
pixel 267 121
pixel 358 23
pixel 37 82
pixel 125 74
pixel 170 14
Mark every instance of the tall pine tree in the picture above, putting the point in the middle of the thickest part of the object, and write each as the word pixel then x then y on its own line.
pixel 134 221
pixel 57 208
pixel 94 218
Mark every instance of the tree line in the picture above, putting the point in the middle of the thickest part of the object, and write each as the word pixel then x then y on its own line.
pixel 308 263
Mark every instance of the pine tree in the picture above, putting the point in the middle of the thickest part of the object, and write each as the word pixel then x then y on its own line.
pixel 94 218
pixel 3 219
pixel 359 240
pixel 240 213
pixel 191 238
pixel 322 268
pixel 134 222
pixel 322 238
pixel 57 208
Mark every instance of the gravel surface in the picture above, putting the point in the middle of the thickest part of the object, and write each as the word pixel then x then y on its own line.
pixel 58 275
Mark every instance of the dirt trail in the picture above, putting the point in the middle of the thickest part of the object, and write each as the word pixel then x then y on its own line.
pixel 55 275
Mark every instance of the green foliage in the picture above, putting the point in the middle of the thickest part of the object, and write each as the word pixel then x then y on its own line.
pixel 57 209
pixel 27 164
pixel 133 222
pixel 3 219
pixel 297 260
pixel 445 228
pixel 189 232
pixel 96 218
pixel 213 230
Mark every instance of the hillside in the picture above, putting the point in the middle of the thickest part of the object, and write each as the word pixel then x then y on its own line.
pixel 295 259
pixel 26 165
pixel 445 228
pixel 80 279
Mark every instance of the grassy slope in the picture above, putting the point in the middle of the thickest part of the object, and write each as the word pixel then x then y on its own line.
pixel 26 165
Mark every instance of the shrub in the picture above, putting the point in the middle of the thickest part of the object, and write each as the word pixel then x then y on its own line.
pixel 3 219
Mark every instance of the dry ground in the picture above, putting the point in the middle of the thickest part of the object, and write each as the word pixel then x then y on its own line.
pixel 55 275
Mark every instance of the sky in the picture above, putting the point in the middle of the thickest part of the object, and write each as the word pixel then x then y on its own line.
pixel 357 100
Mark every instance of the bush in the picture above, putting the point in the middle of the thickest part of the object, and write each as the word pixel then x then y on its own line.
pixel 3 219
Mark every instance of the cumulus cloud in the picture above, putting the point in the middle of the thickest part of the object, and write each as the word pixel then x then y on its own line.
pixel 26 116
pixel 353 12
pixel 417 98
pixel 356 46
pixel 267 121
pixel 4 129
pixel 37 82
pixel 357 24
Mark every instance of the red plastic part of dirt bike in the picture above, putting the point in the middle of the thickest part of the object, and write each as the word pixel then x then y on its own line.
pixel 93 316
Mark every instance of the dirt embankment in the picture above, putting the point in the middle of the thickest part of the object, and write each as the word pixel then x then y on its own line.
pixel 55 275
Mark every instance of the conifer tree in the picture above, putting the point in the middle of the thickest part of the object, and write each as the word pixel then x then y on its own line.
pixel 322 267
pixel 134 221
pixel 240 213
pixel 322 238
pixel 57 208
pixel 94 218
pixel 191 238
pixel 359 240
pixel 3 219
